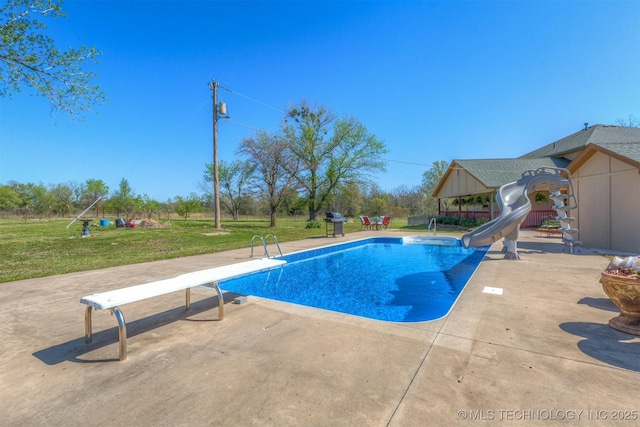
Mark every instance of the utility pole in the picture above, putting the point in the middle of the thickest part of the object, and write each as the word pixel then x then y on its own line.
pixel 216 184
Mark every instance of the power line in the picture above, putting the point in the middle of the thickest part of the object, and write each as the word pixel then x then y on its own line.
pixel 253 100
pixel 406 163
pixel 242 124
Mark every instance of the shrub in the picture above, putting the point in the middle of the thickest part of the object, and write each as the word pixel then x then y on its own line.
pixel 461 222
pixel 313 224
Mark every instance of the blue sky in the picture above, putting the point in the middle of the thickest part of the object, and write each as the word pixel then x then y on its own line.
pixel 434 80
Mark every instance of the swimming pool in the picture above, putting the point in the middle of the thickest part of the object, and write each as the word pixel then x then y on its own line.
pixel 410 279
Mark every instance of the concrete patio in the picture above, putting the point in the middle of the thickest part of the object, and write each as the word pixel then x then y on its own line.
pixel 540 353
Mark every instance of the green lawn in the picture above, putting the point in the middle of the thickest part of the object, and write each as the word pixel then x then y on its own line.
pixel 40 248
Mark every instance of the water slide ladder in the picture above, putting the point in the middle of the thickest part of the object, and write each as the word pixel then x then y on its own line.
pixel 264 240
pixel 569 235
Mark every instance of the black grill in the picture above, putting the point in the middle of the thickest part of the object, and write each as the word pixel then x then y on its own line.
pixel 335 217
pixel 334 222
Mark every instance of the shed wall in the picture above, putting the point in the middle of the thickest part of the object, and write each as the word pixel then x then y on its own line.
pixel 608 214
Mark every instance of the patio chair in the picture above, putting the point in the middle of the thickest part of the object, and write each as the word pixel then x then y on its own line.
pixel 385 221
pixel 366 222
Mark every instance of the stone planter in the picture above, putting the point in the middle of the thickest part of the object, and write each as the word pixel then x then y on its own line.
pixel 624 292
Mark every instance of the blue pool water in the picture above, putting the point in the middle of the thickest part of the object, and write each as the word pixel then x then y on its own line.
pixel 393 279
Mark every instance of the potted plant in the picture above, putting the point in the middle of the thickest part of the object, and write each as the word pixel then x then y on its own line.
pixel 541 198
pixel 621 282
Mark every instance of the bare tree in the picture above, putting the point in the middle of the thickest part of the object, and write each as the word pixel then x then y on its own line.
pixel 275 169
pixel 406 198
pixel 632 121
pixel 234 178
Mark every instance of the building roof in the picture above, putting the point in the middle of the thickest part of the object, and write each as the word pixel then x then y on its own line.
pixel 602 135
pixel 629 150
pixel 625 152
pixel 620 141
pixel 494 173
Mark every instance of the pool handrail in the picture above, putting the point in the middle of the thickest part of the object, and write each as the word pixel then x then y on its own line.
pixel 433 221
pixel 275 239
pixel 264 245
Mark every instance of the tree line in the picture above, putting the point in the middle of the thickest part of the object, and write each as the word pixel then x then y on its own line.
pixel 238 197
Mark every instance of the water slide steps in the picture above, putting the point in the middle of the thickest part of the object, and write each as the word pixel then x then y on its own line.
pixel 568 230
pixel 561 208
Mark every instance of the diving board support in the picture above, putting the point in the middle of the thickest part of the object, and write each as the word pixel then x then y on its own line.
pixel 122 324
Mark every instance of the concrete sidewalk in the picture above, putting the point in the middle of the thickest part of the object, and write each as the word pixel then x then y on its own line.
pixel 539 353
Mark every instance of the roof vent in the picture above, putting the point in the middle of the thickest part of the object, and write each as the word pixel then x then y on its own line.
pixel 586 126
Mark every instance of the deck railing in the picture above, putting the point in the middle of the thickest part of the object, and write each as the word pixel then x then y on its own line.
pixel 534 219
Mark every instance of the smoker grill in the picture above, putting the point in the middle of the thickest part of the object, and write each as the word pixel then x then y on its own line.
pixel 334 222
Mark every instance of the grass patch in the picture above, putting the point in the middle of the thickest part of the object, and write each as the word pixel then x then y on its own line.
pixel 40 248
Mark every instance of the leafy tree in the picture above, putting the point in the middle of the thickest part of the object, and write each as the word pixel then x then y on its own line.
pixel 275 169
pixel 124 199
pixel 331 151
pixel 29 58
pixel 91 190
pixel 348 199
pixel 378 206
pixel 234 178
pixel 149 206
pixel 431 177
pixel 9 199
pixel 35 197
pixel 62 196
pixel 293 204
pixel 186 206
pixel 430 180
pixel 41 199
pixel 94 188
pixel 20 190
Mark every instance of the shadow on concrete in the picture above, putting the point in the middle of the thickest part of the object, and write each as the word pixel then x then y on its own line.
pixel 541 247
pixel 599 303
pixel 526 248
pixel 71 351
pixel 606 344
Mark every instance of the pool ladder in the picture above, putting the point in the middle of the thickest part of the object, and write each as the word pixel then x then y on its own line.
pixel 263 240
